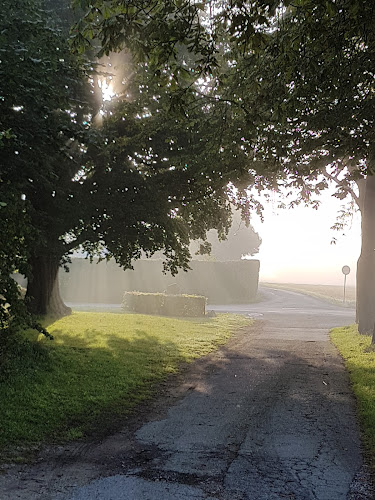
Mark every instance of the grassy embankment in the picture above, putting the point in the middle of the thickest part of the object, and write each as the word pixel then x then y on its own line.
pixel 95 371
pixel 332 293
pixel 359 358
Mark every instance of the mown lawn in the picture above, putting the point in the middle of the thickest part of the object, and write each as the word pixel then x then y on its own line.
pixel 94 372
pixel 359 358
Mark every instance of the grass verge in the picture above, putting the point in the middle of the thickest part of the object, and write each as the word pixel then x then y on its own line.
pixel 359 358
pixel 332 293
pixel 96 370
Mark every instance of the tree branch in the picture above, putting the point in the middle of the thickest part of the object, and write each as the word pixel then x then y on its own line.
pixel 344 185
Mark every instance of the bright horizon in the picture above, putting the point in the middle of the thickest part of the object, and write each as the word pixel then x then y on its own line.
pixel 296 245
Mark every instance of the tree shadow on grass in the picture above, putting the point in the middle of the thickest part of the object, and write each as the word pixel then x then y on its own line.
pixel 88 387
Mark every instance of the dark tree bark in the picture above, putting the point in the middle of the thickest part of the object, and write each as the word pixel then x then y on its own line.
pixel 366 262
pixel 43 292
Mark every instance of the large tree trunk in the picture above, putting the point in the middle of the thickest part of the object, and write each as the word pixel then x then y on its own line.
pixel 366 262
pixel 43 292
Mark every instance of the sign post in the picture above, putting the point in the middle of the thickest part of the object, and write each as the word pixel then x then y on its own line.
pixel 345 272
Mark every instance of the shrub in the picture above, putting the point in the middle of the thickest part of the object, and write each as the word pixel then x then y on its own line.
pixel 184 305
pixel 145 303
pixel 165 304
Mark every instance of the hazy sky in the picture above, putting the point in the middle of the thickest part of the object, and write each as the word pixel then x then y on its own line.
pixel 297 248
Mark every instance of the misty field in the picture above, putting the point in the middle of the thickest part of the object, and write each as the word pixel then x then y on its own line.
pixel 332 293
pixel 95 371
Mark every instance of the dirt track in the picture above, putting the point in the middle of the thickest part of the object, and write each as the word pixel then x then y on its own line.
pixel 269 416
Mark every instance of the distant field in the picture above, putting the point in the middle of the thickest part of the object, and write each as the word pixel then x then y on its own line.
pixel 333 293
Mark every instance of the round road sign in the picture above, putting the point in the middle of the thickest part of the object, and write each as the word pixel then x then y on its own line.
pixel 346 270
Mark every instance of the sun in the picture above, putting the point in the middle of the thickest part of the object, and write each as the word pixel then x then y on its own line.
pixel 107 89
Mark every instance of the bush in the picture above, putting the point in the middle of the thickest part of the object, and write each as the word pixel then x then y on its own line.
pixel 145 303
pixel 164 304
pixel 184 305
pixel 20 356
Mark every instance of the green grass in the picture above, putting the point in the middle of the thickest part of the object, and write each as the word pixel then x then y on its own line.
pixel 359 358
pixel 332 293
pixel 97 369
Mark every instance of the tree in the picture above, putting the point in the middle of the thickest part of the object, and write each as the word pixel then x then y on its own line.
pixel 323 58
pixel 318 67
pixel 13 229
pixel 241 241
pixel 169 167
pixel 265 95
pixel 144 181
pixel 299 79
pixel 43 95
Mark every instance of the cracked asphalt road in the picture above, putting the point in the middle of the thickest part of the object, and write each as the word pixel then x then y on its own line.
pixel 269 416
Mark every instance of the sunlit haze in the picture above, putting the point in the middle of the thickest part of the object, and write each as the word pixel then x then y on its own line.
pixel 296 245
pixel 107 89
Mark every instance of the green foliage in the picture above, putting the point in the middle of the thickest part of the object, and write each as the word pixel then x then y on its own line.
pixel 298 79
pixel 144 303
pixel 95 372
pixel 184 305
pixel 151 30
pixel 180 38
pixel 165 176
pixel 13 228
pixel 146 181
pixel 21 357
pixel 241 240
pixel 314 95
pixel 164 304
pixel 222 99
pixel 293 82
pixel 359 356
pixel 43 95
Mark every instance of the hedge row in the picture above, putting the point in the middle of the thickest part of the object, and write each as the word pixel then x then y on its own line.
pixel 221 282
pixel 164 304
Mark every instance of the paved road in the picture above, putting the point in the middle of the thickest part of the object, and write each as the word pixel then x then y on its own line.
pixel 278 306
pixel 270 416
